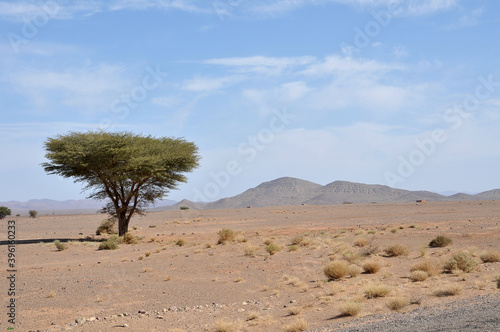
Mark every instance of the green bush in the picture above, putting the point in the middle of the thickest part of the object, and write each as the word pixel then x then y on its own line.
pixel 4 212
pixel 109 244
pixel 440 241
pixel 33 213
pixel 60 246
pixel 184 208
pixel 181 242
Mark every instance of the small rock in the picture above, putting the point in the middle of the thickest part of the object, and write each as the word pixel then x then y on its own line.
pixel 293 301
pixel 91 319
pixel 142 311
pixel 159 317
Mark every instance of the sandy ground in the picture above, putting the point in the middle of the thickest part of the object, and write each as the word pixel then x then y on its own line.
pixel 157 285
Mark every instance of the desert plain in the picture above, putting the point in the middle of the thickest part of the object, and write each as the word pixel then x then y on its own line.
pixel 179 278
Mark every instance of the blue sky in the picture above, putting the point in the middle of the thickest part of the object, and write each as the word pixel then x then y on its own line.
pixel 399 93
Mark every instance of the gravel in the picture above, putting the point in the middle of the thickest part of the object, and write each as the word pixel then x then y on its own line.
pixel 480 313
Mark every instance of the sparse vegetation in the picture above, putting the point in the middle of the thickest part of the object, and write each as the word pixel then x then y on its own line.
pixel 51 294
pixel 297 240
pixel 60 246
pixel 354 271
pixel 396 250
pixel 350 308
pixel 298 325
pixel 293 247
pixel 336 270
pixel 128 238
pixel 418 275
pixel 180 242
pixel 33 213
pixel 490 257
pixel 147 253
pixel 250 250
pixel 371 267
pixel 226 235
pixel 224 326
pixel 398 303
pixel 184 208
pixel 461 261
pixel 376 290
pixel 440 241
pixel 448 291
pixel 431 266
pixel 109 244
pixel 497 279
pixel 107 226
pixel 360 242
pixel 272 248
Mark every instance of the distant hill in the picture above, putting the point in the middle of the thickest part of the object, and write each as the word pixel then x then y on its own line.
pixel 49 206
pixel 291 191
pixel 280 192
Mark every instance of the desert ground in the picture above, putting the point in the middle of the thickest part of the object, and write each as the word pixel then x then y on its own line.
pixel 178 278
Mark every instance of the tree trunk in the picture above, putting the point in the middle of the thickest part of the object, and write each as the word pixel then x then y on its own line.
pixel 122 222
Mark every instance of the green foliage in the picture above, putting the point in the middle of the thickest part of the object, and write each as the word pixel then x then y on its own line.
pixel 110 244
pixel 60 246
pixel 4 212
pixel 33 213
pixel 133 171
pixel 181 242
pixel 184 207
pixel 226 235
pixel 440 241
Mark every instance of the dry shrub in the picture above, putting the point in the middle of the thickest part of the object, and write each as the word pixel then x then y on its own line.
pixel 298 325
pixel 396 250
pixel 350 308
pixel 398 303
pixel 418 275
pixel 250 250
pixel 60 246
pixel 147 253
pixel 352 257
pixel 371 248
pixel 107 227
pixel 294 311
pixel 128 238
pixel 180 242
pixel 448 291
pixel 354 270
pixel 293 247
pixel 268 241
pixel 272 248
pixel 371 267
pixel 109 244
pixel 223 326
pixel 226 235
pixel 297 240
pixel 431 266
pixel 376 290
pixel 461 261
pixel 336 270
pixel 360 242
pixel 490 257
pixel 440 241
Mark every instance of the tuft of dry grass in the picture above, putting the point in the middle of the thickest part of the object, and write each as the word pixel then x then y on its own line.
pixel 60 246
pixel 350 308
pixel 490 257
pixel 418 275
pixel 398 303
pixel 376 290
pixel 352 257
pixel 294 311
pixel 293 247
pixel 355 271
pixel 461 260
pixel 371 267
pixel 336 270
pixel 360 242
pixel 147 253
pixel 147 269
pixel 238 280
pixel 448 291
pixel 396 250
pixel 224 326
pixel 51 294
pixel 431 266
pixel 250 250
pixel 297 240
pixel 128 238
pixel 298 325
pixel 180 242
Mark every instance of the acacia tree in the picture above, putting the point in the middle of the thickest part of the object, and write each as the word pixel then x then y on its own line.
pixel 4 212
pixel 133 171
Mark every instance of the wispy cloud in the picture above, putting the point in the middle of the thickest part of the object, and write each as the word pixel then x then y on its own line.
pixel 206 84
pixel 262 64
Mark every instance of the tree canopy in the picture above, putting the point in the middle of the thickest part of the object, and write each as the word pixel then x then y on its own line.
pixel 4 212
pixel 133 171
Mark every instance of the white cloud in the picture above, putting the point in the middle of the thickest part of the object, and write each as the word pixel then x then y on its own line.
pixel 206 84
pixel 168 102
pixel 262 64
